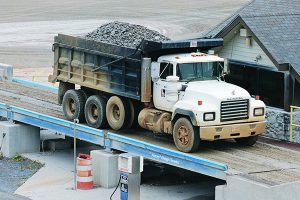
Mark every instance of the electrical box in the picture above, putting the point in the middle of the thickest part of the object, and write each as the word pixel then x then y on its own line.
pixel 129 163
pixel 130 167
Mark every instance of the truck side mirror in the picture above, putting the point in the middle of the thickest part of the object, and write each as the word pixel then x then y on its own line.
pixel 155 71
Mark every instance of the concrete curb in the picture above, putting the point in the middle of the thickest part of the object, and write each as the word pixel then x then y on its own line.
pixel 35 85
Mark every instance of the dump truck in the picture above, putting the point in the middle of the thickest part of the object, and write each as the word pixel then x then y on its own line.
pixel 169 87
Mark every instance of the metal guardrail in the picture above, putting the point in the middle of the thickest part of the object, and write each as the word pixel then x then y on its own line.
pixel 292 108
pixel 111 140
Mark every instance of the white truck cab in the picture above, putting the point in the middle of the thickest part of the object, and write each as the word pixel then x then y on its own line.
pixel 196 104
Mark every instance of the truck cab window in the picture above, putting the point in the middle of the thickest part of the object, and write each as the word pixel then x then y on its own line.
pixel 198 71
pixel 166 69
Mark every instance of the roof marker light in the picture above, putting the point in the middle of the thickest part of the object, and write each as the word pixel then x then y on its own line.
pixel 200 102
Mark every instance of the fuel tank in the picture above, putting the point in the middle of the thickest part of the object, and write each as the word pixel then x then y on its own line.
pixel 155 120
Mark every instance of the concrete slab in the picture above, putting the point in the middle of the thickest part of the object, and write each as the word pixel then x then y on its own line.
pixel 55 181
pixel 240 188
pixel 18 138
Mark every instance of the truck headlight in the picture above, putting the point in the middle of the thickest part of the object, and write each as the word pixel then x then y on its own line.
pixel 210 116
pixel 258 112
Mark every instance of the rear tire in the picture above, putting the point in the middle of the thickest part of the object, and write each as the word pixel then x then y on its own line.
pixel 73 105
pixel 63 87
pixel 247 141
pixel 185 135
pixel 95 114
pixel 117 112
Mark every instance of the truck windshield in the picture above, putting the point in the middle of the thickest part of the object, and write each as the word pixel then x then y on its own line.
pixel 199 71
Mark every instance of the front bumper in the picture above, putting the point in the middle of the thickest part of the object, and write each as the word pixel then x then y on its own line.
pixel 232 130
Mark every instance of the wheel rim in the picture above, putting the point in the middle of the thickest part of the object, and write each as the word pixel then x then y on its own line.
pixel 183 135
pixel 71 106
pixel 116 112
pixel 94 112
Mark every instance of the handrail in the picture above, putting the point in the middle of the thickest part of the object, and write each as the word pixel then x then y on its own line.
pixel 292 108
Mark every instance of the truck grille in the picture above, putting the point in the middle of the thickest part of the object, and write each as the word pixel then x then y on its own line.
pixel 234 110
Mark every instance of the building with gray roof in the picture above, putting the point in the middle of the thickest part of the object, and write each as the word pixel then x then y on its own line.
pixel 262 45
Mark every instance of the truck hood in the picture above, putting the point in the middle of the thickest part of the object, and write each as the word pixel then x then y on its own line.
pixel 216 90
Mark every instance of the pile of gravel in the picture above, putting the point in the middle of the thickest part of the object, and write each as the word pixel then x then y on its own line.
pixel 124 34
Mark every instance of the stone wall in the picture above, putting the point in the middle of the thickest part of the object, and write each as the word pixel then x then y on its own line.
pixel 278 124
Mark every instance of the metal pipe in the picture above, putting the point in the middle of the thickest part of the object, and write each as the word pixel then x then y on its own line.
pixel 291 126
pixel 76 121
pixel 146 80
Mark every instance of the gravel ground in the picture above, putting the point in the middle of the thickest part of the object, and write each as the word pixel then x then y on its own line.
pixel 15 171
pixel 124 34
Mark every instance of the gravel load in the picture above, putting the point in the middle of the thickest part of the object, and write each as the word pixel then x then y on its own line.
pixel 124 34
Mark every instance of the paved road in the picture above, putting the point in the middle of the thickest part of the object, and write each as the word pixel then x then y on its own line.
pixel 27 27
pixel 5 196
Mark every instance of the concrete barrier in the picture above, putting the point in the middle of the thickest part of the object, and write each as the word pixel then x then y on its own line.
pixel 238 188
pixel 6 72
pixel 105 168
pixel 18 138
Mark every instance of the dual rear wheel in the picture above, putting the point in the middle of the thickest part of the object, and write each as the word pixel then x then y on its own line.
pixel 95 114
pixel 98 111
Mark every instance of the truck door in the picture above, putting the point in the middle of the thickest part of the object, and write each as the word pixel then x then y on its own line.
pixel 159 87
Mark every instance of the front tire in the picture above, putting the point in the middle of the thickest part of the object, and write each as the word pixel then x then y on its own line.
pixel 95 114
pixel 185 135
pixel 246 141
pixel 117 112
pixel 73 105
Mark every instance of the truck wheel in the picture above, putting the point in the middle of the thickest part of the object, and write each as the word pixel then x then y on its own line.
pixel 117 112
pixel 247 141
pixel 95 114
pixel 185 135
pixel 73 105
pixel 63 87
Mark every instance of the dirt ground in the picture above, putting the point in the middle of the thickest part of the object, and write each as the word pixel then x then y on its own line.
pixel 27 27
